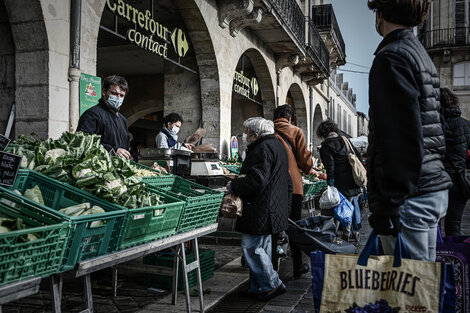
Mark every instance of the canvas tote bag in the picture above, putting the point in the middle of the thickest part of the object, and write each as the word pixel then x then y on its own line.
pixel 343 282
pixel 358 171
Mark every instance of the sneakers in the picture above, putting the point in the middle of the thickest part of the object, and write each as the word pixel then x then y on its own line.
pixel 303 269
pixel 266 296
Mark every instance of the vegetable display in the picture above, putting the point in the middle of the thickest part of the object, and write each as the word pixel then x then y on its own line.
pixel 8 225
pixel 80 160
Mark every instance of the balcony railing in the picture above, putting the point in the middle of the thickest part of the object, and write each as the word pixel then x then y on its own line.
pixel 317 48
pixel 292 16
pixel 323 16
pixel 443 38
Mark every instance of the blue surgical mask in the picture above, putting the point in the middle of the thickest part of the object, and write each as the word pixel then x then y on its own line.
pixel 115 101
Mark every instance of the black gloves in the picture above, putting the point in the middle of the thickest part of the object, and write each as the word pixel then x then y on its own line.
pixel 385 224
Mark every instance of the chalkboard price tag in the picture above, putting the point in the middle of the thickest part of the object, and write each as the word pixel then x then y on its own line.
pixel 9 165
pixel 4 141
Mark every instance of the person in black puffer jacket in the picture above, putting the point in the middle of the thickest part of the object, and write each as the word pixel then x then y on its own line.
pixel 457 132
pixel 407 183
pixel 265 187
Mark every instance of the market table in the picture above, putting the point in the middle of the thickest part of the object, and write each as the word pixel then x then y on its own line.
pixel 85 268
pixel 18 290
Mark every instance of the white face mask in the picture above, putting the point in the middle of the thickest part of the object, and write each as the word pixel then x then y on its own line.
pixel 244 137
pixel 175 129
pixel 115 101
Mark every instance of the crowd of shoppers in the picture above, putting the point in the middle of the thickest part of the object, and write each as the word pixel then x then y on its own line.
pixel 418 146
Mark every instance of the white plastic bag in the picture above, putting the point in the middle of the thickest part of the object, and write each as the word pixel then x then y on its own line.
pixel 329 198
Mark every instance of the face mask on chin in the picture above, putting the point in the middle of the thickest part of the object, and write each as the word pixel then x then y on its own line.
pixel 114 101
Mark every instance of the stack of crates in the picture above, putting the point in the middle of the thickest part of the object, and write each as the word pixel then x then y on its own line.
pixel 206 261
pixel 21 258
pixel 86 241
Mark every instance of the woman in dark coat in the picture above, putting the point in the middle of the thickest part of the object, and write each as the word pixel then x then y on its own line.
pixel 265 188
pixel 334 156
pixel 457 133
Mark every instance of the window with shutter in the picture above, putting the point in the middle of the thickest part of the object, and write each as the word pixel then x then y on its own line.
pixel 461 22
pixel 461 74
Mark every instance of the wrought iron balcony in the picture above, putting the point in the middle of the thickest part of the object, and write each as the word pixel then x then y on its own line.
pixel 445 38
pixel 292 17
pixel 323 17
pixel 317 50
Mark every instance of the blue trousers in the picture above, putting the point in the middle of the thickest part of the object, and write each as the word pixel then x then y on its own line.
pixel 257 252
pixel 419 217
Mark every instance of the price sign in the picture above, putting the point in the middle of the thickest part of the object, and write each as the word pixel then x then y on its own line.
pixel 9 165
pixel 4 141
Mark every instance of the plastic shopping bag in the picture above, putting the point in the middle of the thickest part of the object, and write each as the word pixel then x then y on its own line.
pixel 329 198
pixel 344 211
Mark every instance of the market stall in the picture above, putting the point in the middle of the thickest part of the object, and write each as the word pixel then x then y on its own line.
pixel 96 211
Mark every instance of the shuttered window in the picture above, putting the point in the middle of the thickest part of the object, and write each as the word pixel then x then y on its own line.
pixel 461 75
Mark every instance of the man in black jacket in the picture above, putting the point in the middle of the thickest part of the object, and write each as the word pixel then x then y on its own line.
pixel 266 188
pixel 407 183
pixel 105 119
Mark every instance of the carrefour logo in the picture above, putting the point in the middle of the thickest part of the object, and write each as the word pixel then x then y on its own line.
pixel 180 43
pixel 254 86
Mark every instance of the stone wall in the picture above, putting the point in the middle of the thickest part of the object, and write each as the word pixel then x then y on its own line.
pixel 7 69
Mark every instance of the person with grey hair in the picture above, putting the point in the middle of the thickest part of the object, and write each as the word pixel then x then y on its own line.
pixel 265 187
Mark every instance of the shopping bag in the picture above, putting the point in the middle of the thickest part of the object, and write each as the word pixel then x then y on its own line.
pixel 372 283
pixel 329 198
pixel 232 206
pixel 343 212
pixel 456 251
pixel 317 233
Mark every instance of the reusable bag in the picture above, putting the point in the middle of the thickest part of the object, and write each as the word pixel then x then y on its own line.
pixel 371 283
pixel 455 250
pixel 358 171
pixel 232 206
pixel 344 211
pixel 317 233
pixel 329 198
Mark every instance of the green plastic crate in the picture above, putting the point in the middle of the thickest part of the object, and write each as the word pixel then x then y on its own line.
pixel 315 187
pixel 202 204
pixel 206 261
pixel 85 242
pixel 153 222
pixel 144 167
pixel 42 257
pixel 235 169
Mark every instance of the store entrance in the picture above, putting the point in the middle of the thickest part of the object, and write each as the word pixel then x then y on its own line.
pixel 159 63
pixel 246 98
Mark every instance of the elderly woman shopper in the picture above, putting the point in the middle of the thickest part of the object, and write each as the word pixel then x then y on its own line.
pixel 265 188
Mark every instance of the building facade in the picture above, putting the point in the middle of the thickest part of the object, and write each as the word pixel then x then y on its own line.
pixel 446 36
pixel 362 124
pixel 216 63
pixel 342 106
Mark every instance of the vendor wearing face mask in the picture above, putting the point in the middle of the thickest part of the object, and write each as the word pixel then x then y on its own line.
pixel 105 119
pixel 168 136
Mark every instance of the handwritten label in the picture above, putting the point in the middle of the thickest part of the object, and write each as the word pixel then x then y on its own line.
pixel 4 141
pixel 9 165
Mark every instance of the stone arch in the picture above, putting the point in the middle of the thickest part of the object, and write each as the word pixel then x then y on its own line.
pixel 300 106
pixel 133 116
pixel 318 117
pixel 30 66
pixel 204 50
pixel 264 80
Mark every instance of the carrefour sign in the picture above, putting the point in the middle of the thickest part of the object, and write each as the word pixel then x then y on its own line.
pixel 245 86
pixel 158 41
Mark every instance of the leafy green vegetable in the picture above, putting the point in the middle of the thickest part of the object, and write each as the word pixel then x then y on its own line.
pixel 34 194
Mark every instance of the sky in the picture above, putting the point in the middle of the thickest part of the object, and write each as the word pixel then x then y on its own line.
pixel 357 26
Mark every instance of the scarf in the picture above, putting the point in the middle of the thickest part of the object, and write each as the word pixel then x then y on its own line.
pixel 171 137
